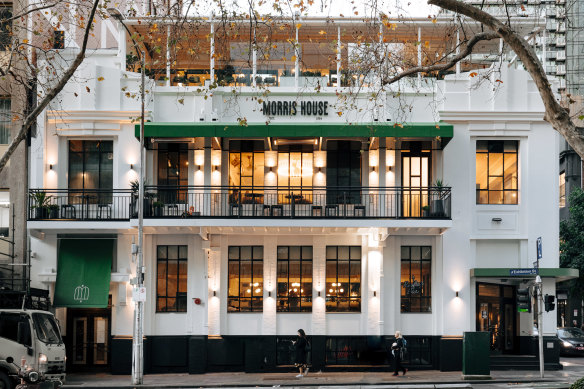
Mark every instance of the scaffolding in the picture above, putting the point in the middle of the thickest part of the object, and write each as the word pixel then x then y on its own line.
pixel 575 47
pixel 15 290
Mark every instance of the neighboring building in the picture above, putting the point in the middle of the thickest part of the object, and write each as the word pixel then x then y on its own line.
pixel 270 212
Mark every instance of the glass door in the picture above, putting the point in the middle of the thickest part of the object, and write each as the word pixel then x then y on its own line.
pixel 496 314
pixel 415 181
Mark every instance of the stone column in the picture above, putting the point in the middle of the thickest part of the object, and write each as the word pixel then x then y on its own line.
pixel 269 323
pixel 216 293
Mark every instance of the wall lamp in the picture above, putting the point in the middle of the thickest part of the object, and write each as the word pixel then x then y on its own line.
pixel 320 169
pixel 319 293
pixel 214 293
pixel 457 293
pixel 50 166
pixel 373 168
pixel 374 293
pixel 390 168
pixel 269 293
pixel 131 166
pixel 271 169
pixel 198 167
pixel 497 219
pixel 216 168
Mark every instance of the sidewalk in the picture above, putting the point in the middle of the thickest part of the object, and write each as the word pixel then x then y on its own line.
pixel 415 379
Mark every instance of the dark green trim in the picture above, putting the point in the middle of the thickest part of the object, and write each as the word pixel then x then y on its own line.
pixel 262 130
pixel 563 273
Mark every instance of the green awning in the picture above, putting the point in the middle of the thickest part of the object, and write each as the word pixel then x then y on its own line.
pixel 254 130
pixel 561 274
pixel 83 273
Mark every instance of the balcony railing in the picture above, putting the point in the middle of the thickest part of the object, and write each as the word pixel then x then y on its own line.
pixel 245 202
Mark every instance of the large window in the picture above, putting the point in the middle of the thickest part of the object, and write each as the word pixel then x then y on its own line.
pixel 246 279
pixel 173 166
pixel 5 28
pixel 171 282
pixel 91 164
pixel 246 169
pixel 416 285
pixel 5 119
pixel 343 278
pixel 562 189
pixel 294 279
pixel 295 171
pixel 497 172
pixel 343 170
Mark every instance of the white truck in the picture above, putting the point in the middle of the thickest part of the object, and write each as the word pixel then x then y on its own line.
pixel 33 336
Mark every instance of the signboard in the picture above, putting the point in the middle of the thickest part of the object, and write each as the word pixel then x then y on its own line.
pixel 293 108
pixel 139 294
pixel 539 249
pixel 523 272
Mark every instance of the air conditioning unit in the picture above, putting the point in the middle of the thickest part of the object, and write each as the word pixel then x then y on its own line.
pixel 551 12
pixel 561 13
pixel 561 55
pixel 551 25
pixel 561 70
pixel 550 55
pixel 561 41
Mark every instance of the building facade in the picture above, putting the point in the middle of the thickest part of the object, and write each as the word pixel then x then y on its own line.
pixel 274 203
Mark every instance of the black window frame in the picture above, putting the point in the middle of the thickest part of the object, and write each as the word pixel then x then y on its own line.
pixel 104 186
pixel 256 299
pixel 343 156
pixel 5 27
pixel 562 187
pixel 5 120
pixel 284 301
pixel 424 300
pixel 491 147
pixel 180 298
pixel 179 152
pixel 334 296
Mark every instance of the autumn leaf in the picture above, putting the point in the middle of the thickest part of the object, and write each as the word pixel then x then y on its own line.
pixel 322 32
pixel 473 74
pixel 499 81
pixel 25 41
pixel 87 89
pixel 298 25
pixel 434 20
pixel 181 101
pixel 427 44
pixel 339 113
pixel 75 93
pixel 100 78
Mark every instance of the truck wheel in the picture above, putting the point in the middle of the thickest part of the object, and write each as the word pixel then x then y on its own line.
pixel 5 381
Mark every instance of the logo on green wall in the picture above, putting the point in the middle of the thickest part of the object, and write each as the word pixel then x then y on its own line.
pixel 81 293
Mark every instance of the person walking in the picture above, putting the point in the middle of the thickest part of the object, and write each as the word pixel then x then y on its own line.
pixel 301 345
pixel 397 350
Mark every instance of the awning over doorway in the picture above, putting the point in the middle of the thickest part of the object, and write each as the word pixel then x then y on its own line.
pixel 83 273
pixel 295 129
pixel 561 274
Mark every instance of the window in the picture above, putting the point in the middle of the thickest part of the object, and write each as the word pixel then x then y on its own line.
pixel 246 279
pixel 173 166
pixel 9 327
pixel 415 280
pixel 295 174
pixel 91 167
pixel 343 279
pixel 246 167
pixel 294 279
pixel 496 171
pixel 343 170
pixel 5 28
pixel 5 119
pixel 562 189
pixel 171 283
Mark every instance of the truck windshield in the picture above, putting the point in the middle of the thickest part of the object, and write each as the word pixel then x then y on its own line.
pixel 46 328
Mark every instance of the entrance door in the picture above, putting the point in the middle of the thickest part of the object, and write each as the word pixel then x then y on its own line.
pixel 173 166
pixel 416 169
pixel 88 338
pixel 496 314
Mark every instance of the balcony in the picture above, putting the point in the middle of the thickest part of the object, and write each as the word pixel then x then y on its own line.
pixel 243 202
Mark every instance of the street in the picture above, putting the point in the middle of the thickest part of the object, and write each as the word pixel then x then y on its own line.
pixel 573 370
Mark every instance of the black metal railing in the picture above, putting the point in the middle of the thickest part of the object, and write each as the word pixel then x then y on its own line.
pixel 76 204
pixel 246 202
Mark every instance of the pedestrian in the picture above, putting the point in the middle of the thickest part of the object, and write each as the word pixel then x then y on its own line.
pixel 397 351
pixel 575 323
pixel 301 346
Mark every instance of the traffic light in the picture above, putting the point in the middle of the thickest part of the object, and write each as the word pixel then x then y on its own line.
pixel 549 301
pixel 523 300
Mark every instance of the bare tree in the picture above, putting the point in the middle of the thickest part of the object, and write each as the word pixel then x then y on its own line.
pixel 33 38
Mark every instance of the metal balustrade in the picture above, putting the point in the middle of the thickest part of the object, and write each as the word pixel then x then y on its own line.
pixel 245 202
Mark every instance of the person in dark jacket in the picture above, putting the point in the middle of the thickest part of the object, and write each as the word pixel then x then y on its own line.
pixel 300 346
pixel 396 351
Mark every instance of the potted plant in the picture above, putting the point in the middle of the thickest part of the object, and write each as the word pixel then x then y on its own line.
pixel 438 203
pixel 135 187
pixel 158 208
pixel 54 211
pixel 425 211
pixel 41 204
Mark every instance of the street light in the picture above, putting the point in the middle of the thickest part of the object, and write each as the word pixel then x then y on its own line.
pixel 137 341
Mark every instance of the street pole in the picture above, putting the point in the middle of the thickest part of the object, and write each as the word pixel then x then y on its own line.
pixel 138 343
pixel 539 324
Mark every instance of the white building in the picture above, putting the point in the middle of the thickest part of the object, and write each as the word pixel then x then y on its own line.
pixel 349 219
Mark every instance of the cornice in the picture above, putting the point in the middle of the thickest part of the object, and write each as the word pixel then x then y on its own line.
pixel 491 116
pixel 122 117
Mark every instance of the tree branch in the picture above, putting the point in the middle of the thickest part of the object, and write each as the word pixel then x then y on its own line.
pixel 32 116
pixel 555 114
pixel 437 67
